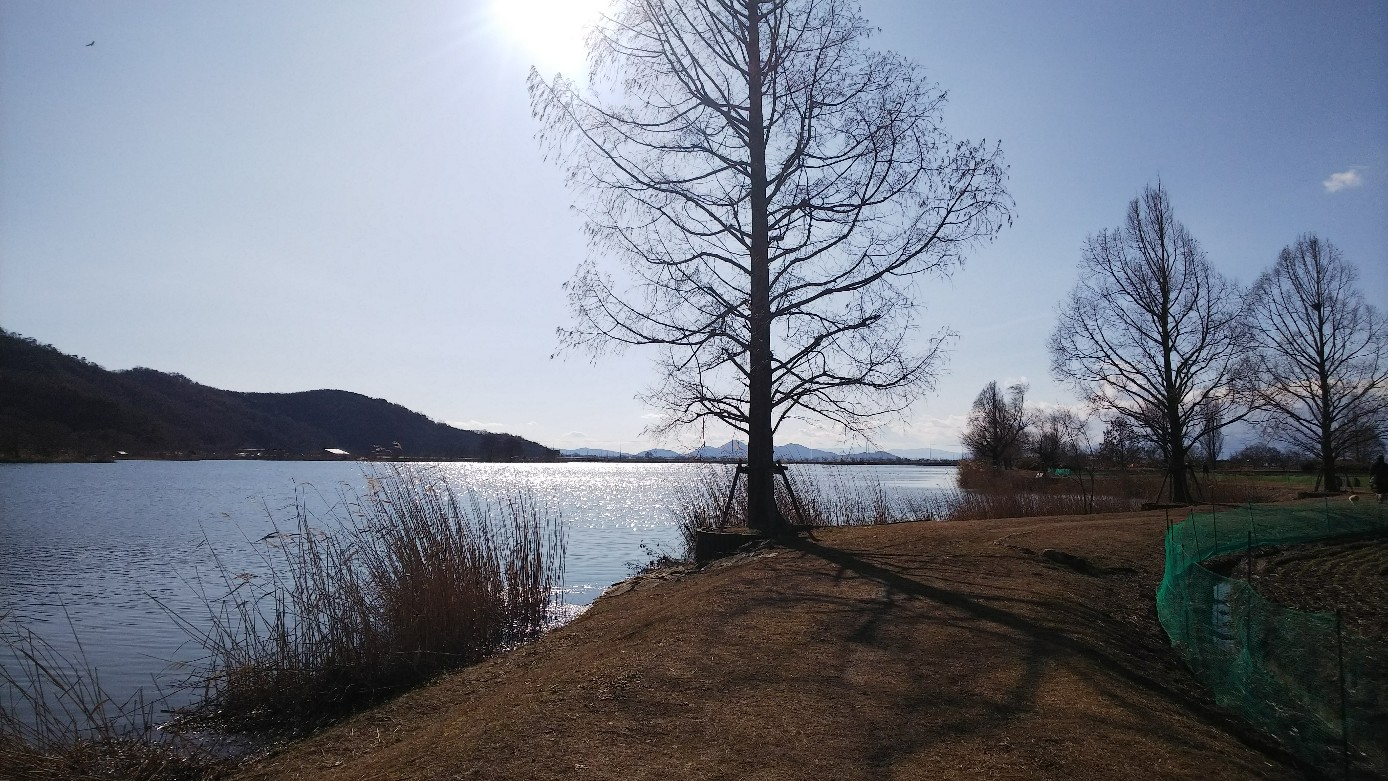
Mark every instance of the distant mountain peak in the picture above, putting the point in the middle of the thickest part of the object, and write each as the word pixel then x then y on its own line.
pixel 736 450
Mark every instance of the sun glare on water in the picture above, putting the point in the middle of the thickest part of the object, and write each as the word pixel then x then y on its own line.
pixel 549 33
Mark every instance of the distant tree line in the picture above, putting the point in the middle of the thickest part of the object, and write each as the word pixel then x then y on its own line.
pixel 1170 353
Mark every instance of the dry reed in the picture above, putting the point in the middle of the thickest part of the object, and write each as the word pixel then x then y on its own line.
pixel 379 595
pixel 839 499
pixel 57 721
pixel 850 499
pixel 989 493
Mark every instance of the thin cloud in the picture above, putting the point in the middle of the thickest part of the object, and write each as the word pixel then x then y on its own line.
pixel 1343 181
pixel 1078 408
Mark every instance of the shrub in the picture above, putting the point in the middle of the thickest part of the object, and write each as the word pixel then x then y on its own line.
pixel 409 581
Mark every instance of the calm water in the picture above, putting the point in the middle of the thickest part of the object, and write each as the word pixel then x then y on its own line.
pixel 105 551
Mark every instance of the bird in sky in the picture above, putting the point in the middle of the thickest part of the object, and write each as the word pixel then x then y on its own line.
pixel 93 43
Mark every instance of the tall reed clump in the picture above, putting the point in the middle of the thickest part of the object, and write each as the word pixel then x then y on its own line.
pixel 58 722
pixel 410 580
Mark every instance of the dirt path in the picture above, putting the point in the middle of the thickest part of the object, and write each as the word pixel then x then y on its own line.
pixel 1021 649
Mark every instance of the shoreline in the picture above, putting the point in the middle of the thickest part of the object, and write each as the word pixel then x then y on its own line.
pixel 961 649
pixel 461 460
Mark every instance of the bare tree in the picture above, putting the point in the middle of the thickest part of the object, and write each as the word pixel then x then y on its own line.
pixel 771 192
pixel 997 424
pixel 1212 441
pixel 1261 454
pixel 1152 333
pixel 1121 445
pixel 1365 447
pixel 1322 363
pixel 1058 437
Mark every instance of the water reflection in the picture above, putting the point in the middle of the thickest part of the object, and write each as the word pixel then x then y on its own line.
pixel 106 552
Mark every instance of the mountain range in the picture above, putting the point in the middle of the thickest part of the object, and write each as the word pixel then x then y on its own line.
pixel 58 407
pixel 737 449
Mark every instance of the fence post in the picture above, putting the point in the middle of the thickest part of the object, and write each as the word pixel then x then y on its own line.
pixel 1248 606
pixel 1195 529
pixel 1214 529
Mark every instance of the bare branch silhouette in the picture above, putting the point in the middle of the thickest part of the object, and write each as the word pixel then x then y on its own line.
pixel 762 194
pixel 1322 368
pixel 1153 334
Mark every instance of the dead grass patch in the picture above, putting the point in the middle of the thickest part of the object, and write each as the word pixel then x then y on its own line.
pixel 918 650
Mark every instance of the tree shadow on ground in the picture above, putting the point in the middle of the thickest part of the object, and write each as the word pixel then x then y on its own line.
pixel 1042 627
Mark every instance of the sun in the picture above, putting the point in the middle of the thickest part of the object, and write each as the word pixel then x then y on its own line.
pixel 549 33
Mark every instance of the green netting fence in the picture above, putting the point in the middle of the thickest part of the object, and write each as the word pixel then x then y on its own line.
pixel 1301 677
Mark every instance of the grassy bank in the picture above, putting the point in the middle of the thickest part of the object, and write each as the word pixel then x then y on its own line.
pixel 1016 493
pixel 981 492
pixel 907 648
pixel 918 650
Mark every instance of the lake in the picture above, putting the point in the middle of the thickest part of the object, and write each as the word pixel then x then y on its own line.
pixel 102 553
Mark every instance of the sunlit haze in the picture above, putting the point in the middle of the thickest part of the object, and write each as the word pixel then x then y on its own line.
pixel 270 196
pixel 550 32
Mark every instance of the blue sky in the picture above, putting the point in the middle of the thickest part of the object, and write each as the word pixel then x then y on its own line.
pixel 285 196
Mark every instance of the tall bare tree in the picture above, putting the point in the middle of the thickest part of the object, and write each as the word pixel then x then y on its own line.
pixel 1058 437
pixel 770 192
pixel 1121 445
pixel 1152 333
pixel 1212 441
pixel 997 424
pixel 1322 354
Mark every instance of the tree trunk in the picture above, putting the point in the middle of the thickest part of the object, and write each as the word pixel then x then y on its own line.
pixel 1327 454
pixel 1180 487
pixel 761 480
pixel 1176 447
pixel 1176 461
pixel 1323 376
pixel 1175 433
pixel 1328 472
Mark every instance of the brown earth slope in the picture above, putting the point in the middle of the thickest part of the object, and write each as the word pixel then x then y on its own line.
pixel 1019 649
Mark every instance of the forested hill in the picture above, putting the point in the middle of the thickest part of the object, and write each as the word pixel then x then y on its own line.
pixel 56 406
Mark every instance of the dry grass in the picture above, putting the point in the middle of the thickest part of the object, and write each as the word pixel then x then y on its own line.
pixel 383 594
pixel 840 499
pixel 912 650
pixel 989 493
pixel 918 650
pixel 374 597
pixel 58 722
pixel 850 499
